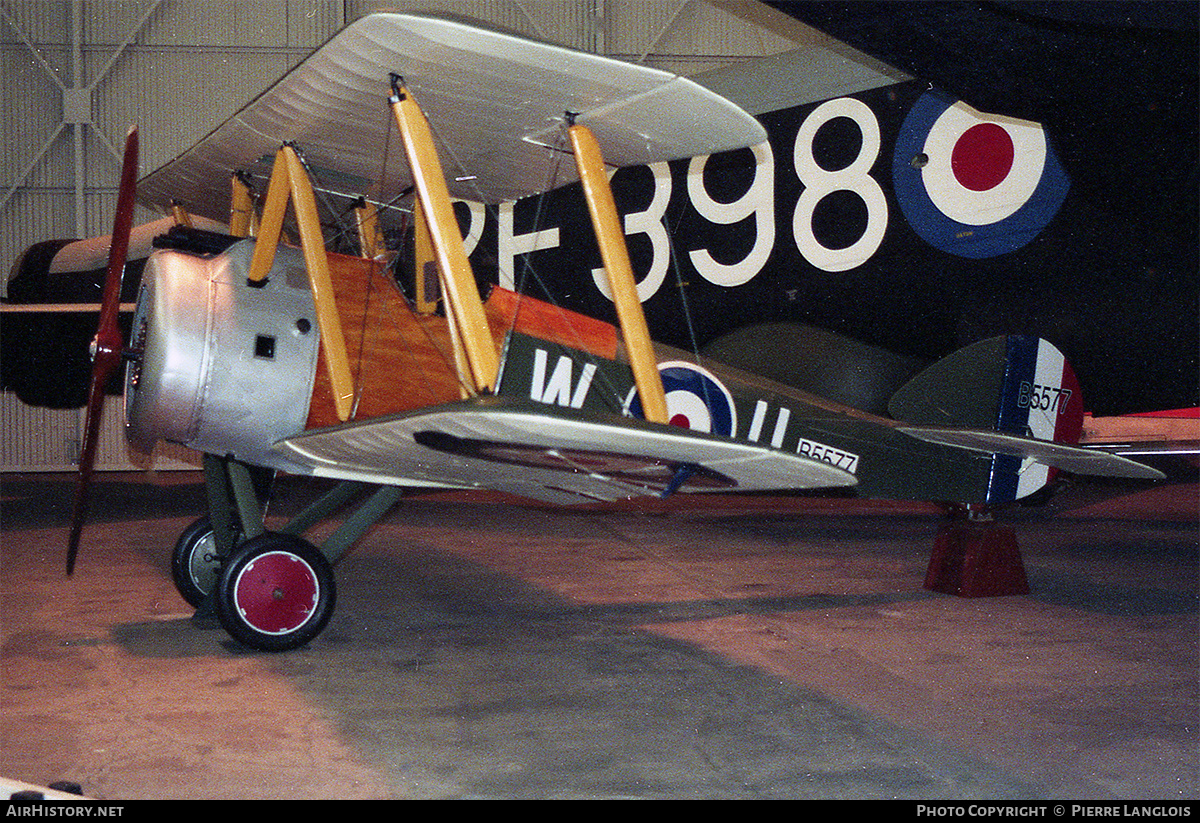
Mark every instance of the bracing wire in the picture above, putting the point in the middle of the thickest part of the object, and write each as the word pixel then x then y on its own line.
pixel 529 276
pixel 528 271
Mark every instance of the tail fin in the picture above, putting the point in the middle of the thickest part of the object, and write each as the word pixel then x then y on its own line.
pixel 1014 385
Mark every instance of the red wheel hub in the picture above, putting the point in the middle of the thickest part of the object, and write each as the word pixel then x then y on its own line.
pixel 277 592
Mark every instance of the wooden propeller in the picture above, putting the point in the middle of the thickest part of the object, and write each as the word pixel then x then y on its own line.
pixel 107 345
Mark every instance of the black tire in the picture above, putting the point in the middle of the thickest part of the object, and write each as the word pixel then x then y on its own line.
pixel 196 562
pixel 275 593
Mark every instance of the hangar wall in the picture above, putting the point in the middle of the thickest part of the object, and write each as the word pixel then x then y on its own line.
pixel 77 73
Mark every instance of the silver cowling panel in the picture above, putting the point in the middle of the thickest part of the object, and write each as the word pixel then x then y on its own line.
pixel 225 368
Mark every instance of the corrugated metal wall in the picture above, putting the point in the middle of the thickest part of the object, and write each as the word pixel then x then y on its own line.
pixel 74 75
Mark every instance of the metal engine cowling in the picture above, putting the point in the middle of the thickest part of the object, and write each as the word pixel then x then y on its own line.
pixel 222 366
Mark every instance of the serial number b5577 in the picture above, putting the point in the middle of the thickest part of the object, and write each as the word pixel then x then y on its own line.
pixel 1043 398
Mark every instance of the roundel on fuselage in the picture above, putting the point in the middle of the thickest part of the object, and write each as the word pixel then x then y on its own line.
pixel 974 184
pixel 695 399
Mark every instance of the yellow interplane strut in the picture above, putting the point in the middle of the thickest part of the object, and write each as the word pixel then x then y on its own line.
pixel 615 254
pixel 289 178
pixel 464 308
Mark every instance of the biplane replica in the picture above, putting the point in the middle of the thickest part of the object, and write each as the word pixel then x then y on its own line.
pixel 269 356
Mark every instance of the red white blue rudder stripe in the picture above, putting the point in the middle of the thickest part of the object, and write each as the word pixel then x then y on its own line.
pixel 1039 398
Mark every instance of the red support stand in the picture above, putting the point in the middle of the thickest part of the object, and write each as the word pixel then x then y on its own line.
pixel 976 558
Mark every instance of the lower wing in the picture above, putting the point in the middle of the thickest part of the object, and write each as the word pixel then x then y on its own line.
pixel 550 453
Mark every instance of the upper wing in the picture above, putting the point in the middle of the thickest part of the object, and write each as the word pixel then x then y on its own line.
pixel 562 455
pixel 494 100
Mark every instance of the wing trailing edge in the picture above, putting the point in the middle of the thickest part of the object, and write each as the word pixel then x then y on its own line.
pixel 1057 455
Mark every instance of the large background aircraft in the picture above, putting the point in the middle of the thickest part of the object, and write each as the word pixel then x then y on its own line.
pixel 1115 85
pixel 1101 257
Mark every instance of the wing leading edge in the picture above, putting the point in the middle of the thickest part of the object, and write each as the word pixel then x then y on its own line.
pixel 561 455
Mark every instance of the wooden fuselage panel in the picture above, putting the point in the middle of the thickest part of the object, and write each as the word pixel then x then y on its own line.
pixel 403 361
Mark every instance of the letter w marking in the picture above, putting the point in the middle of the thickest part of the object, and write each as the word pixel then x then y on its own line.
pixel 557 390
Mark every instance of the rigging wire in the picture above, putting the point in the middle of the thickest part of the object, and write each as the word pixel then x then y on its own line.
pixel 341 230
pixel 528 271
pixel 681 287
pixel 529 276
pixel 613 399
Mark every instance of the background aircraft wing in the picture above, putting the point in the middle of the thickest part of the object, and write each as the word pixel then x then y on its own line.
pixel 550 453
pixel 495 101
pixel 1168 432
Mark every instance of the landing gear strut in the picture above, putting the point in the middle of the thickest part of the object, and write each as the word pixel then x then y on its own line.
pixel 272 591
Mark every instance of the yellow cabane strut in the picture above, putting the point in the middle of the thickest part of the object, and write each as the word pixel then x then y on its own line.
pixel 243 222
pixel 180 213
pixel 366 217
pixel 427 292
pixel 288 178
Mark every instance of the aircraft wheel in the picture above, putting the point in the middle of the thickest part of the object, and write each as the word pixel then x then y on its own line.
pixel 275 593
pixel 196 562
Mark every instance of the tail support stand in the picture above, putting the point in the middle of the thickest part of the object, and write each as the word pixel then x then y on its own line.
pixel 975 557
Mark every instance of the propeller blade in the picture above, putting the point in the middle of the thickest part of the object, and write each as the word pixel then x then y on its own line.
pixel 106 346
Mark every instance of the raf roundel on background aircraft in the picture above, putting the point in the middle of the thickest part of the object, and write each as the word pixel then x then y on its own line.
pixel 574 380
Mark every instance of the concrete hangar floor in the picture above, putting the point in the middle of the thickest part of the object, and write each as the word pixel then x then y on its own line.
pixel 746 648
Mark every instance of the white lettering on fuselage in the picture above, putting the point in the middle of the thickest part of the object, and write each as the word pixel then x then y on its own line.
pixel 558 389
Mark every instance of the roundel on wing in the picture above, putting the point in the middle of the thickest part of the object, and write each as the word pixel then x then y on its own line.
pixel 695 399
pixel 975 184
